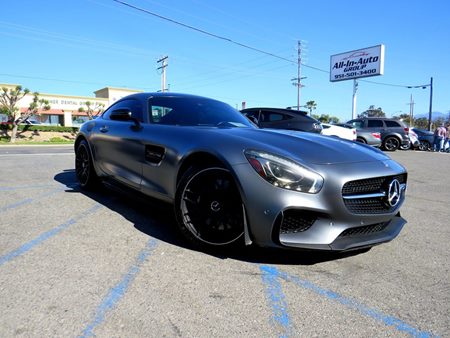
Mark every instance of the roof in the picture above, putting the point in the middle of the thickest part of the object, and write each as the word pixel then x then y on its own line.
pixel 279 110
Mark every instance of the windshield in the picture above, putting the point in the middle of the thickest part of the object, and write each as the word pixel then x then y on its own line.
pixel 194 111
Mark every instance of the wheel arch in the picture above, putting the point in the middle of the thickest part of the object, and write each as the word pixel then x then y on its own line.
pixel 396 135
pixel 203 158
pixel 78 140
pixel 361 139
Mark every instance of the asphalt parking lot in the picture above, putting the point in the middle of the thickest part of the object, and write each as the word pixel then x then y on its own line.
pixel 108 264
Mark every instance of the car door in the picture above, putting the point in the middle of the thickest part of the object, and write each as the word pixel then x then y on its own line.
pixel 376 125
pixel 119 151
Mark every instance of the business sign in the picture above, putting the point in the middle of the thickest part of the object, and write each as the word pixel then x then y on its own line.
pixel 357 63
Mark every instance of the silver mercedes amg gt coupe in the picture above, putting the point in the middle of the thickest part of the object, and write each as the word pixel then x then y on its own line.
pixel 232 183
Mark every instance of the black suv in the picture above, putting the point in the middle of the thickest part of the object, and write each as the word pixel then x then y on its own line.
pixel 279 118
pixel 394 133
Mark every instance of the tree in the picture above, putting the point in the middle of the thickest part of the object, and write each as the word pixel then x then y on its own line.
pixel 35 107
pixel 311 105
pixel 92 110
pixel 326 118
pixel 373 112
pixel 421 123
pixel 8 100
pixel 405 118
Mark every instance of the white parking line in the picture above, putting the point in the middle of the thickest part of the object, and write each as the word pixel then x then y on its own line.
pixel 37 154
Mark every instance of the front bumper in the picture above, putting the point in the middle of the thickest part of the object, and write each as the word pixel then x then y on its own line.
pixel 332 226
pixel 349 238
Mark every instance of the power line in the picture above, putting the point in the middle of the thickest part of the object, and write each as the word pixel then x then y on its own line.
pixel 203 31
pixel 65 81
pixel 239 43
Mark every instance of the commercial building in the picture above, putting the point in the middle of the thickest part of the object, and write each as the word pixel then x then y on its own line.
pixel 65 109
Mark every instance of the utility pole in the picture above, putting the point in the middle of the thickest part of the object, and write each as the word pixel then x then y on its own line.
pixel 355 89
pixel 411 111
pixel 163 66
pixel 298 80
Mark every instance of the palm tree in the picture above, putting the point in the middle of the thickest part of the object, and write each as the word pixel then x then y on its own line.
pixel 311 105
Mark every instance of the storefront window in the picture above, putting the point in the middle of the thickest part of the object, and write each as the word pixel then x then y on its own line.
pixel 79 120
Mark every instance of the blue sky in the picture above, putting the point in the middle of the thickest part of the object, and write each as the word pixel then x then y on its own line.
pixel 75 47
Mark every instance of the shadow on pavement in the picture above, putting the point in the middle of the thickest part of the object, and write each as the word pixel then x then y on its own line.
pixel 157 220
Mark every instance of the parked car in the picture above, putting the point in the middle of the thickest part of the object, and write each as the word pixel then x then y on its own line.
pixel 414 142
pixel 29 121
pixel 348 133
pixel 233 183
pixel 394 133
pixel 426 139
pixel 363 136
pixel 279 118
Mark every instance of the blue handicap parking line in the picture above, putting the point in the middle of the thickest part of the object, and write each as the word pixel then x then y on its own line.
pixel 46 235
pixel 118 291
pixel 30 200
pixel 270 274
pixel 26 187
pixel 276 299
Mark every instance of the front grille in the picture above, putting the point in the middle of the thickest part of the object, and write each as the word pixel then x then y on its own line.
pixel 352 191
pixel 364 230
pixel 370 185
pixel 294 221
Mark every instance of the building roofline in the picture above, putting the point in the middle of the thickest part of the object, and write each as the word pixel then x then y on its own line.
pixel 119 88
pixel 92 98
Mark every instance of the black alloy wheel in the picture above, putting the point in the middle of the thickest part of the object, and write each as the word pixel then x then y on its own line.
pixel 84 168
pixel 391 143
pixel 425 146
pixel 209 208
pixel 361 140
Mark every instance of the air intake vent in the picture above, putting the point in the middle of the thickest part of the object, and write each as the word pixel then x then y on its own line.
pixel 295 221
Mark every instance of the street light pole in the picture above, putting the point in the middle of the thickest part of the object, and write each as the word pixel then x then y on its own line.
pixel 430 112
pixel 431 104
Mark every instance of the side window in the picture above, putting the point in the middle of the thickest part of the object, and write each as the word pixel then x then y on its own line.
pixel 357 124
pixel 133 105
pixel 375 124
pixel 275 117
pixel 392 124
pixel 160 114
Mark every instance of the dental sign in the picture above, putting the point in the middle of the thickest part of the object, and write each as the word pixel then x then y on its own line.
pixel 358 63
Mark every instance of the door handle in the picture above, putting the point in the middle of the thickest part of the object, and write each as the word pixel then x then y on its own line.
pixel 104 129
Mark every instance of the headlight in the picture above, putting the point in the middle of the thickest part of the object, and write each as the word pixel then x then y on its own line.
pixel 284 173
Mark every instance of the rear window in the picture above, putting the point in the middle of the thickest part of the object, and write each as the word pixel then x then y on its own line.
pixel 393 124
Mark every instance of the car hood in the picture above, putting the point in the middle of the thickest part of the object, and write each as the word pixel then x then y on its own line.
pixel 309 147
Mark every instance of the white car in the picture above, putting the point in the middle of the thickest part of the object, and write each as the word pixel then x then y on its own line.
pixel 347 133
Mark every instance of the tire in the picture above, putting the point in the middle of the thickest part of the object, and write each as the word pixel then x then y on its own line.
pixel 209 209
pixel 391 143
pixel 84 168
pixel 424 146
pixel 361 140
pixel 405 147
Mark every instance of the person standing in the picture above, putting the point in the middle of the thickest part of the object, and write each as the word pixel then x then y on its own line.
pixel 446 146
pixel 440 133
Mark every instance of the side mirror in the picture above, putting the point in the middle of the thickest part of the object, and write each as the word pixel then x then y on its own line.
pixel 125 114
pixel 121 115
